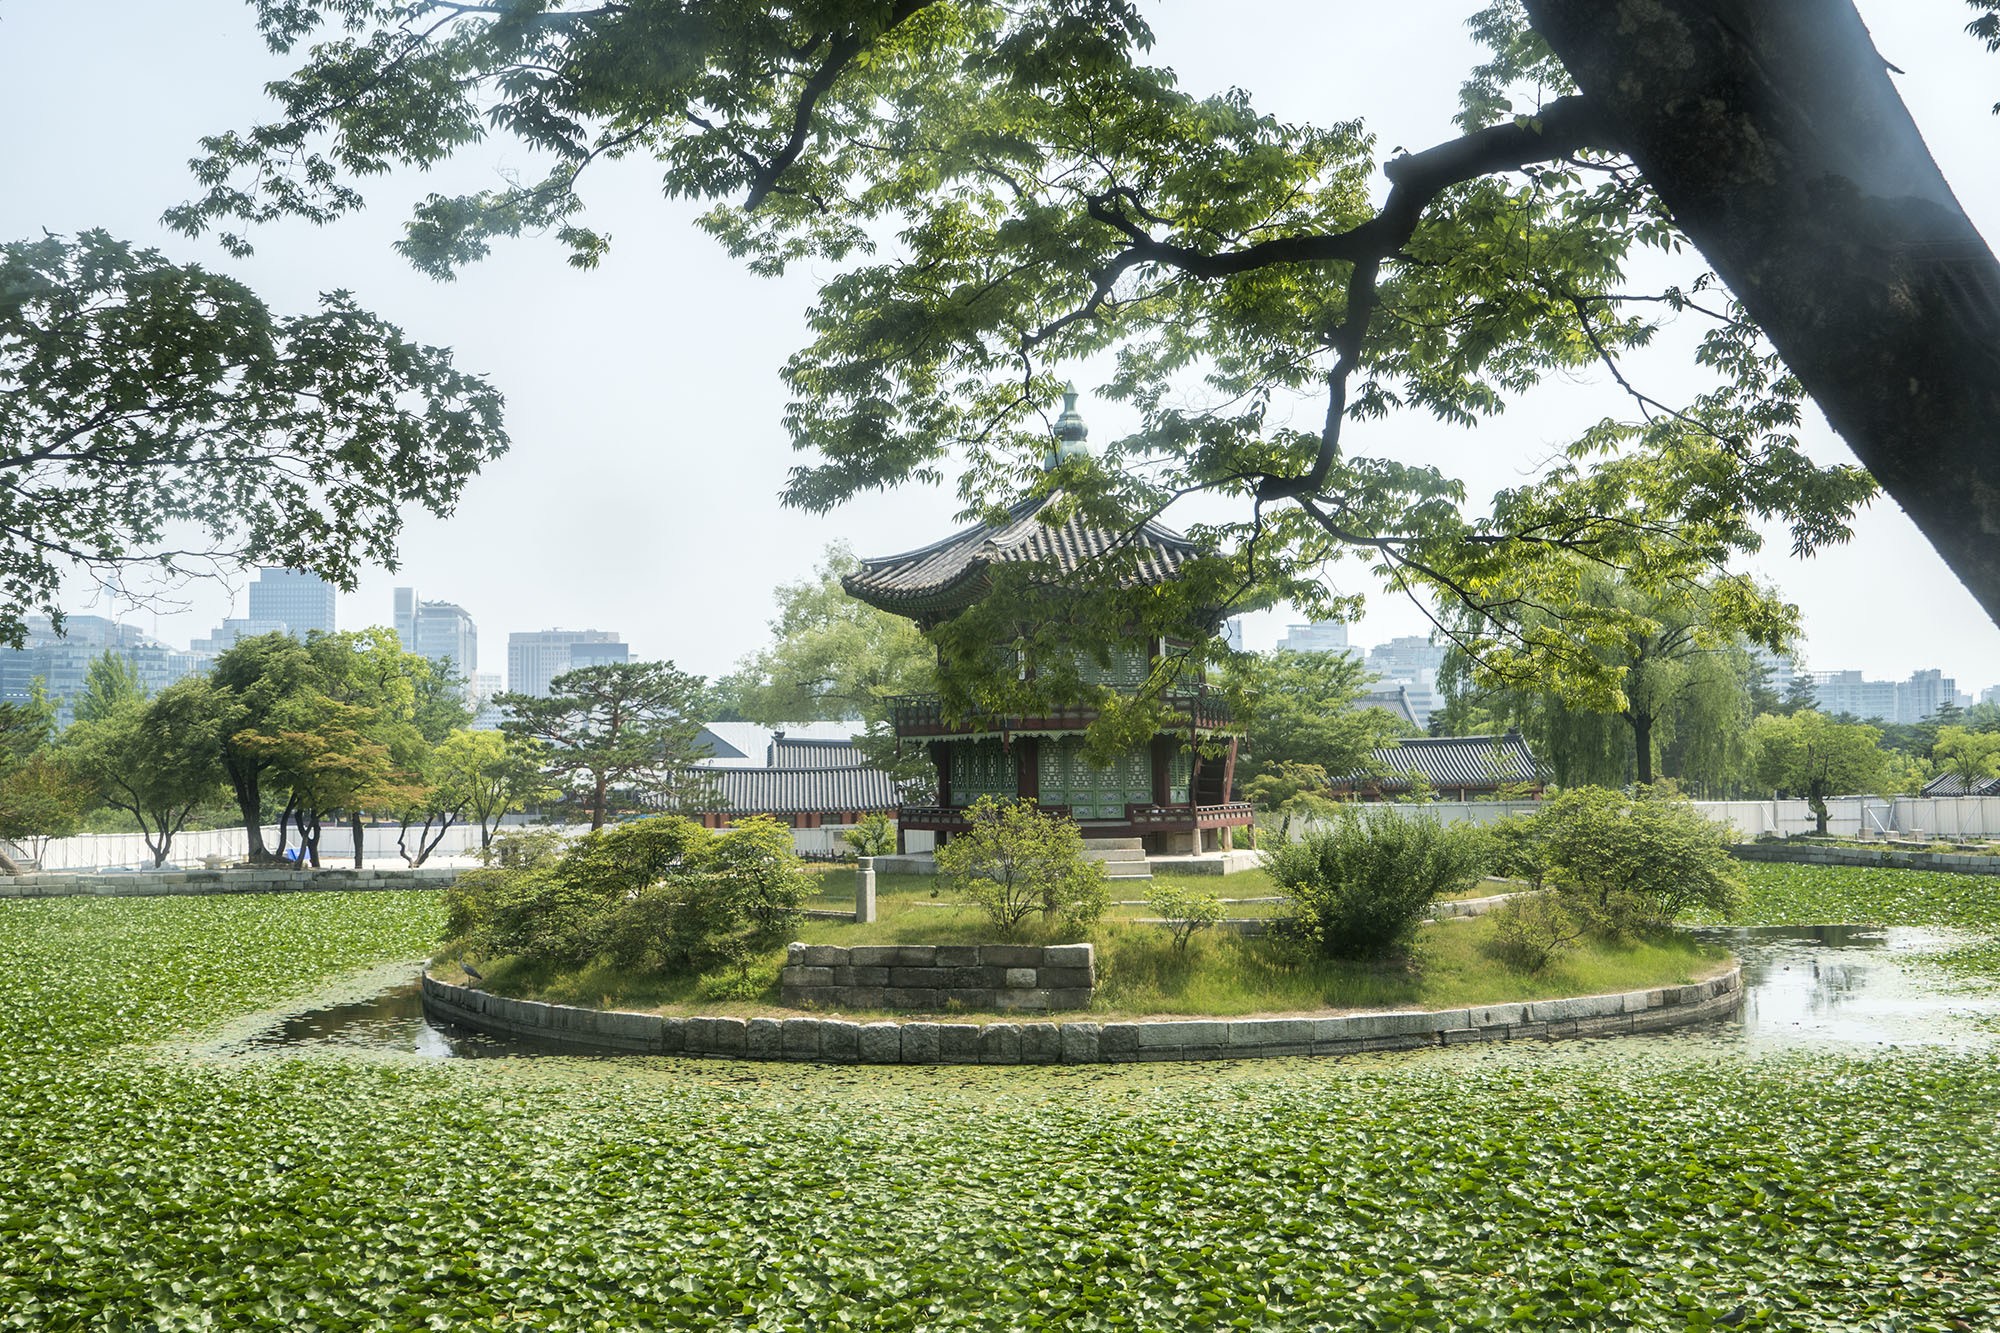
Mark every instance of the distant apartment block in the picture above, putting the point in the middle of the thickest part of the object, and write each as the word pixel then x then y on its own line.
pixel 537 657
pixel 1781 671
pixel 1321 636
pixel 1990 695
pixel 1232 633
pixel 441 631
pixel 1912 700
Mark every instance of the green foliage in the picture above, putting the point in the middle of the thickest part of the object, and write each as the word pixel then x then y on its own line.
pixel 834 657
pixel 1059 203
pixel 1811 755
pixel 1518 848
pixel 1014 862
pixel 1299 713
pixel 872 835
pixel 617 737
pixel 1671 669
pixel 1635 862
pixel 1973 757
pixel 111 682
pixel 1361 887
pixel 157 759
pixel 44 796
pixel 199 414
pixel 661 895
pixel 1534 929
pixel 1186 910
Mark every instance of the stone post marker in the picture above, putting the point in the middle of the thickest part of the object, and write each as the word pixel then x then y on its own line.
pixel 864 888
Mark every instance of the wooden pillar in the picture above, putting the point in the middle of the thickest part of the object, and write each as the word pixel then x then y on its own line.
pixel 1229 772
pixel 1163 769
pixel 941 756
pixel 1027 768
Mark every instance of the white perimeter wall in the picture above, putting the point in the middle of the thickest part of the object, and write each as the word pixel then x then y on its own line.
pixel 1848 816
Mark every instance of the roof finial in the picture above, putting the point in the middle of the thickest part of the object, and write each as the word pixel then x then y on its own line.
pixel 1069 431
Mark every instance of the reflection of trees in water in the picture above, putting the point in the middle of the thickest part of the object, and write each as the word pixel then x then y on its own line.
pixel 393 1020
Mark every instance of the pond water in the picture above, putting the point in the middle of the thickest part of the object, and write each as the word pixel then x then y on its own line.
pixel 1804 987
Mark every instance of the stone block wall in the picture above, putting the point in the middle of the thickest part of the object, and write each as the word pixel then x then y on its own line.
pixel 1025 977
pixel 1042 1042
pixel 1812 854
pixel 178 883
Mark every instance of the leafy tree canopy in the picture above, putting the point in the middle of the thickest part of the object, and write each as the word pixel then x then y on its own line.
pixel 615 737
pixel 1814 756
pixel 142 401
pixel 1058 203
pixel 1302 708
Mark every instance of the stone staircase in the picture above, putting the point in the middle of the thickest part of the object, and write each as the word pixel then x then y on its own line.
pixel 1123 858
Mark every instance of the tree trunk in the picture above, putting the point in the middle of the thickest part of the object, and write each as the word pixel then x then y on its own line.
pixel 250 800
pixel 597 806
pixel 357 840
pixel 1772 131
pixel 1816 797
pixel 1642 745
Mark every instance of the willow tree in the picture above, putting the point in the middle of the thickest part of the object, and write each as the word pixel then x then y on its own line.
pixel 1057 201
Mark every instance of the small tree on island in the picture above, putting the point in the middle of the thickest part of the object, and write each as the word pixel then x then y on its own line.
pixel 1014 861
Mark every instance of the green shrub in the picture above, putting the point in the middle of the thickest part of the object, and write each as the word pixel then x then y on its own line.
pixel 1530 931
pixel 1185 910
pixel 660 894
pixel 1014 862
pixel 1636 862
pixel 874 835
pixel 1518 848
pixel 1360 887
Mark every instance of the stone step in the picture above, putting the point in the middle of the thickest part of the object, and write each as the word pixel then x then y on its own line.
pixel 1114 844
pixel 1114 855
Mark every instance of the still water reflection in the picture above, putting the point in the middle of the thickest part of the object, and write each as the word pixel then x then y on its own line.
pixel 1804 987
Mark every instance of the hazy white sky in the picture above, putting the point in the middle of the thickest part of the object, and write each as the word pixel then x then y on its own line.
pixel 643 398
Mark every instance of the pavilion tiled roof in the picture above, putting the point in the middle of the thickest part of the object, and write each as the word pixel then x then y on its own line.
pixel 793 791
pixel 793 752
pixel 955 572
pixel 1951 784
pixel 1475 762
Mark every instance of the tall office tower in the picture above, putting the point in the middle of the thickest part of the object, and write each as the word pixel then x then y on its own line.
pixel 301 602
pixel 444 632
pixel 406 618
pixel 1232 634
pixel 536 657
pixel 1322 636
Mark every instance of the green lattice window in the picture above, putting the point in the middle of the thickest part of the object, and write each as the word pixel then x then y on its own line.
pixel 1127 668
pixel 1180 776
pixel 981 768
pixel 1067 778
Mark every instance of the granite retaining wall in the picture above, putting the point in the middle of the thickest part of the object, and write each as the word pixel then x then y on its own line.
pixel 841 1041
pixel 1008 977
pixel 1963 863
pixel 172 883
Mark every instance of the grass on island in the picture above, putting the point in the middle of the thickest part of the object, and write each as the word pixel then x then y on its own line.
pixel 1141 974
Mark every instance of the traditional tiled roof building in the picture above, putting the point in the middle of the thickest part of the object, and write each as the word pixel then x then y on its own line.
pixel 1457 768
pixel 1163 790
pixel 809 775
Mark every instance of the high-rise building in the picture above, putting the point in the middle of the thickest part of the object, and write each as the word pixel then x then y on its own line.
pixel 1322 636
pixel 1912 700
pixel 1990 695
pixel 1412 661
pixel 303 603
pixel 406 618
pixel 537 657
pixel 1232 633
pixel 1781 670
pixel 62 662
pixel 445 633
pixel 441 631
